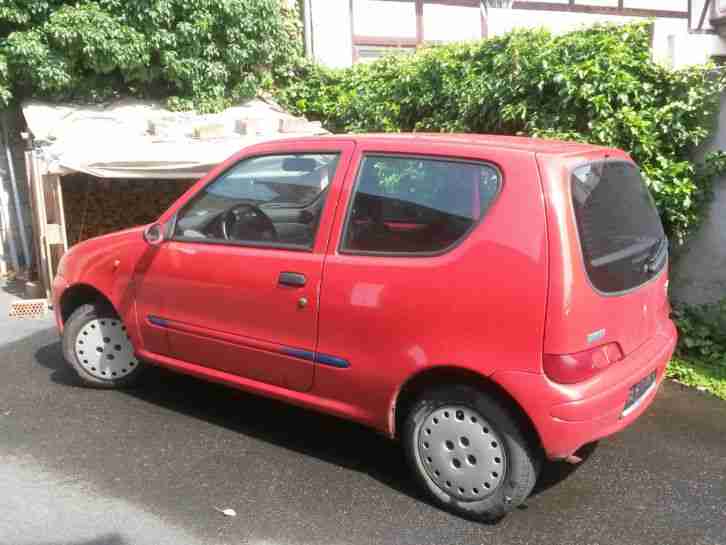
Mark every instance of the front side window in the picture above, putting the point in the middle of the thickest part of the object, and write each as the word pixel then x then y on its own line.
pixel 272 200
pixel 405 205
pixel 622 239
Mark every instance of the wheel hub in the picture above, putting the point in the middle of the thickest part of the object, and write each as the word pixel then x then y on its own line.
pixel 104 349
pixel 461 453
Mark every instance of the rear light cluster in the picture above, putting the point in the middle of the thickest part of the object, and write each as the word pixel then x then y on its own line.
pixel 572 368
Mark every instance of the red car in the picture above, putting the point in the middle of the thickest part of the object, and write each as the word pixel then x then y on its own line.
pixel 488 301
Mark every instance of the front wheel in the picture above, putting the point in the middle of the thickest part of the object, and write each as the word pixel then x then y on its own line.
pixel 468 453
pixel 97 346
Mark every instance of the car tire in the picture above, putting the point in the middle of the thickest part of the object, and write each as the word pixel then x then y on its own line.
pixel 468 453
pixel 98 348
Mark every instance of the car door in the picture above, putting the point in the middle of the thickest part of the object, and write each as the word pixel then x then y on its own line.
pixel 243 265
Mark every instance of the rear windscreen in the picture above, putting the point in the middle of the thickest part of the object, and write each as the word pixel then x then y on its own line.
pixel 622 238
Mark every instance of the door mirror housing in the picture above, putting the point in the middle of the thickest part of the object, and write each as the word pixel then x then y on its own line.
pixel 154 234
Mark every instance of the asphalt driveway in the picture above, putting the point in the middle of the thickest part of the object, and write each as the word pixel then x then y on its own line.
pixel 91 467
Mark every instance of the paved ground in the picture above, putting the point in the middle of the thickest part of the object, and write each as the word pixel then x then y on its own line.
pixel 89 467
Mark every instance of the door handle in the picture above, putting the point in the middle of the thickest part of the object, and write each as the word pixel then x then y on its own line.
pixel 291 279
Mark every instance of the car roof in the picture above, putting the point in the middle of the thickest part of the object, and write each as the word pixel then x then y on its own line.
pixel 519 143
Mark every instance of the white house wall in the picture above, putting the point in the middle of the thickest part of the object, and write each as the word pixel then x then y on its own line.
pixel 332 40
pixel 382 18
pixel 697 273
pixel 442 23
pixel 673 45
pixel 333 28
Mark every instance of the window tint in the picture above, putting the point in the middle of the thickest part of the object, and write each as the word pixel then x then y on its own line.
pixel 622 238
pixel 410 205
pixel 276 199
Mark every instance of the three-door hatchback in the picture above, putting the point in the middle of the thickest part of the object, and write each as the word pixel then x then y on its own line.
pixel 488 301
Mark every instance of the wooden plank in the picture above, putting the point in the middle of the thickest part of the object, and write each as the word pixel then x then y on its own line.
pixel 35 179
pixel 50 214
pixel 58 243
pixel 36 238
pixel 62 213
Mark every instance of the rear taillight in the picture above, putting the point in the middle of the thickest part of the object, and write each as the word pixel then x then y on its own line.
pixel 571 368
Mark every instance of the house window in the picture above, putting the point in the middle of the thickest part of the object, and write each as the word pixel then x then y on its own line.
pixel 370 53
pixel 384 26
pixel 634 8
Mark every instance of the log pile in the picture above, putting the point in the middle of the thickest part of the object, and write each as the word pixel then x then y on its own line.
pixel 95 206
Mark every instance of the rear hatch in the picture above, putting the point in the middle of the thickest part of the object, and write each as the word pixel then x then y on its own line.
pixel 609 256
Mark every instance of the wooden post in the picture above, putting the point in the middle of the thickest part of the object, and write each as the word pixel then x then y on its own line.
pixel 35 181
pixel 36 239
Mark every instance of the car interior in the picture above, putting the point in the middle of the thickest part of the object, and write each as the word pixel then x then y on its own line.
pixel 276 200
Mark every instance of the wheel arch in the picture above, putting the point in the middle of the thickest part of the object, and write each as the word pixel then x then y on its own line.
pixel 81 294
pixel 452 375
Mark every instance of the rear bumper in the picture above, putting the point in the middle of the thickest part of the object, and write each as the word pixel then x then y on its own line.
pixel 568 417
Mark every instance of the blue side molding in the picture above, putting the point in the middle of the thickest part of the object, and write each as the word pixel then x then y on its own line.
pixel 299 353
pixel 161 322
pixel 308 355
pixel 333 361
pixel 324 359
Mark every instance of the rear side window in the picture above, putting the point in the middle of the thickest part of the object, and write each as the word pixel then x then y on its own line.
pixel 621 235
pixel 409 205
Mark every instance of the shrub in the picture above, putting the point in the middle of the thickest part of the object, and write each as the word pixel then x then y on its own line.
pixel 597 85
pixel 204 54
pixel 702 332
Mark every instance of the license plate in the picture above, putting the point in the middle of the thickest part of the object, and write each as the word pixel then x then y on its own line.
pixel 637 392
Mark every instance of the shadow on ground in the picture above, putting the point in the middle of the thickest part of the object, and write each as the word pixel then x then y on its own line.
pixel 13 287
pixel 327 438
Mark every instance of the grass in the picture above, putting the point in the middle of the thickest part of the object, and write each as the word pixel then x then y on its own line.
pixel 700 359
pixel 699 374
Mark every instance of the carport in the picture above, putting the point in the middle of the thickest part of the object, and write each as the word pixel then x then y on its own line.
pixel 97 169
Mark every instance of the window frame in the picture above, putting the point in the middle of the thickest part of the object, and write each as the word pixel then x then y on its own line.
pixel 578 238
pixel 408 43
pixel 440 158
pixel 580 6
pixel 256 244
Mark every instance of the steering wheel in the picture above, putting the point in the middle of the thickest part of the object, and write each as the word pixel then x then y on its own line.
pixel 247 222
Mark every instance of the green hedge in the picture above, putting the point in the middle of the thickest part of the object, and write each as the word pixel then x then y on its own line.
pixel 597 85
pixel 201 54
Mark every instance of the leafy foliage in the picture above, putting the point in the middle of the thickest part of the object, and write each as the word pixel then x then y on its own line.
pixel 203 54
pixel 697 374
pixel 702 331
pixel 700 358
pixel 597 85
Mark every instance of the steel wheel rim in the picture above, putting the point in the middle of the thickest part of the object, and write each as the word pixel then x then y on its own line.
pixel 104 349
pixel 461 453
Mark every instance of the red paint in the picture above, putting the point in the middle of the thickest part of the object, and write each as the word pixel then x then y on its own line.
pixel 512 291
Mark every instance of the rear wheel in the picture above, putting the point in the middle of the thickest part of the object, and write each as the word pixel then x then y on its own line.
pixel 468 453
pixel 97 346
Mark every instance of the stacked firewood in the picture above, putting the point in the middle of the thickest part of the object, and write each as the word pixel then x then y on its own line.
pixel 95 206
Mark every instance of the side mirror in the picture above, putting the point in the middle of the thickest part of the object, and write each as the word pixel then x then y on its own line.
pixel 154 234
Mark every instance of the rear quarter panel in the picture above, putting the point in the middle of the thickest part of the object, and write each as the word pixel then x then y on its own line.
pixel 575 309
pixel 480 306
